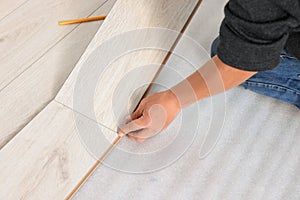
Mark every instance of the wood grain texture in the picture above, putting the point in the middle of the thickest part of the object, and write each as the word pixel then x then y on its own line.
pixel 204 28
pixel 30 92
pixel 47 158
pixel 8 7
pixel 31 30
pixel 55 150
pixel 113 98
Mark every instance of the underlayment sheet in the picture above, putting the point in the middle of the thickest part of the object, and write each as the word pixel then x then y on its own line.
pixel 256 157
pixel 237 145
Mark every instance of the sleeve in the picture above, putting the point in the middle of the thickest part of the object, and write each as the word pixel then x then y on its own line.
pixel 253 34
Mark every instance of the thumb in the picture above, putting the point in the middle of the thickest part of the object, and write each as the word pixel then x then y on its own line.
pixel 135 115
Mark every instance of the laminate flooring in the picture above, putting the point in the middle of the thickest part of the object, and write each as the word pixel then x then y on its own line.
pixel 50 155
pixel 133 64
pixel 31 90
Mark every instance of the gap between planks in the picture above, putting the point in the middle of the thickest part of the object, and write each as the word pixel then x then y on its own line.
pixel 49 89
pixel 117 140
pixel 12 74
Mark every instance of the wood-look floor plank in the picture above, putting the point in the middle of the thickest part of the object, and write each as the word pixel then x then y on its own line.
pixel 8 7
pixel 30 31
pixel 30 92
pixel 47 158
pixel 111 101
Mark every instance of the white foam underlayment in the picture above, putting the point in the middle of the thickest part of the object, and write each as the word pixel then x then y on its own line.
pixel 257 155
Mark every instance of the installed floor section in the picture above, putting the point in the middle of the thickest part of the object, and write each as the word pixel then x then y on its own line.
pixel 256 155
pixel 47 158
pixel 38 55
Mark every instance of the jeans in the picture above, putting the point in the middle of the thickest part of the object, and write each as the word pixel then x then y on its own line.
pixel 282 82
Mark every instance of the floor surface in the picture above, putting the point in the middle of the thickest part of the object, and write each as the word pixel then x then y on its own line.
pixel 240 145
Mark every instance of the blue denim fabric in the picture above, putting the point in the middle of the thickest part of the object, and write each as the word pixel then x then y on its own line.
pixel 282 82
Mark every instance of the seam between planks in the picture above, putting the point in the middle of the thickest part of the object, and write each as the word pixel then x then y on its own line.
pixel 98 162
pixel 14 10
pixel 170 52
pixel 51 47
pixel 75 111
pixel 36 113
pixel 159 70
pixel 156 75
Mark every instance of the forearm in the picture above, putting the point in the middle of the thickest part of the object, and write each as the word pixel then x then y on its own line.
pixel 212 78
pixel 158 110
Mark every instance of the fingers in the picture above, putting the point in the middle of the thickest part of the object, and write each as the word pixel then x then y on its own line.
pixel 142 135
pixel 128 119
pixel 139 122
pixel 136 125
pixel 140 109
pixel 137 139
pixel 135 115
pixel 138 112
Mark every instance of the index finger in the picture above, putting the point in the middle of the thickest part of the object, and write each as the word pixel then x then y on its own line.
pixel 134 125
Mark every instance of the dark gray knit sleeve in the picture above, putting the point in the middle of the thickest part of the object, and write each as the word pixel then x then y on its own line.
pixel 253 34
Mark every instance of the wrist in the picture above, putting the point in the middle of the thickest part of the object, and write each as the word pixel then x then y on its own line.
pixel 173 99
pixel 184 94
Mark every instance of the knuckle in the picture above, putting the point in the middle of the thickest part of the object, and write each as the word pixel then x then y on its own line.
pixel 145 121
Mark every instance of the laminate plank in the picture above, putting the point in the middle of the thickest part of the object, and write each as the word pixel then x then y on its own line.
pixel 55 150
pixel 48 157
pixel 204 27
pixel 30 92
pixel 114 96
pixel 30 31
pixel 8 7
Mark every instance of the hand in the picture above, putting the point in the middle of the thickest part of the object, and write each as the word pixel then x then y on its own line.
pixel 153 115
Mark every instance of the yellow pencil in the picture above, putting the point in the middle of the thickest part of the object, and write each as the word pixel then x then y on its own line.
pixel 73 21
